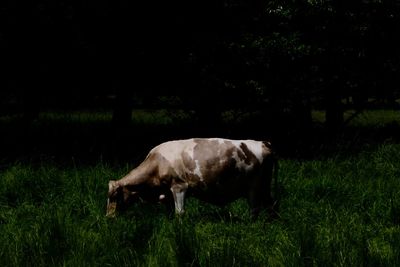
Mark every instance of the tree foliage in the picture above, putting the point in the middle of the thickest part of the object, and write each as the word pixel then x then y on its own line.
pixel 279 55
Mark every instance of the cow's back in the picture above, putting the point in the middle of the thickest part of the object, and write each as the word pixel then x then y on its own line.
pixel 214 160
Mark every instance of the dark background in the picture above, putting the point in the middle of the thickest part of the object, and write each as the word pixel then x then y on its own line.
pixel 272 62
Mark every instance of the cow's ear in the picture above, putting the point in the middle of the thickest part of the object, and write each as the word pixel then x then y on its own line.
pixel 129 196
pixel 133 195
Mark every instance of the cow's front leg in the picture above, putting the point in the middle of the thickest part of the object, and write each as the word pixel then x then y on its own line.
pixel 179 191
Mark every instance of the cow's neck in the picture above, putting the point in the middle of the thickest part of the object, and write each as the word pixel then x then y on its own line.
pixel 137 176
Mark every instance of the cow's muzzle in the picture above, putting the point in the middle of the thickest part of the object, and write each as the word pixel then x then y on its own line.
pixel 111 210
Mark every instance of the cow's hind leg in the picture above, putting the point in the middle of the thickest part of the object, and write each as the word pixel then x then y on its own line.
pixel 260 199
pixel 268 172
pixel 268 201
pixel 255 202
pixel 260 196
pixel 256 194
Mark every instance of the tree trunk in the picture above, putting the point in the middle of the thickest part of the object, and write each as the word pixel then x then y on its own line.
pixel 334 110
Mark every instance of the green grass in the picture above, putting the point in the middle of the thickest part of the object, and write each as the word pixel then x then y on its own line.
pixel 139 116
pixel 374 118
pixel 341 211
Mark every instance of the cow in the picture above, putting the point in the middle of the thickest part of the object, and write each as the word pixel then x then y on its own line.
pixel 214 170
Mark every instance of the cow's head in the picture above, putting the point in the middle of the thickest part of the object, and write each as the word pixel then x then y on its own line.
pixel 114 198
pixel 119 197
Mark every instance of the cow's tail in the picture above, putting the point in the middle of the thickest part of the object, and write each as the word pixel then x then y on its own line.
pixel 275 173
pixel 274 179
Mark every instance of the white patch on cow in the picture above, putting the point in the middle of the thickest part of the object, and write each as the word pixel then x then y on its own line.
pixel 171 151
pixel 257 149
pixel 190 148
pixel 197 170
pixel 219 140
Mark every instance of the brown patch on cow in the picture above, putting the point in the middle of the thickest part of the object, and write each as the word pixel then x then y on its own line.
pixel 188 162
pixel 249 157
pixel 207 154
pixel 214 158
pixel 242 156
pixel 164 171
pixel 152 172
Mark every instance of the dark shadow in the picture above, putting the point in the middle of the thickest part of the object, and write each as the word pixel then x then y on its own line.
pixel 67 141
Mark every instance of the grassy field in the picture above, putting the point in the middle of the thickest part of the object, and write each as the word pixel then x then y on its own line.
pixel 334 212
pixel 339 208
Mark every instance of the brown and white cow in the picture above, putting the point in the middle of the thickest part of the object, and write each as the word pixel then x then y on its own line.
pixel 215 170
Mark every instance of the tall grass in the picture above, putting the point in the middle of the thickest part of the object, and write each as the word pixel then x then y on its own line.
pixel 334 212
